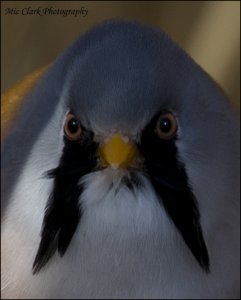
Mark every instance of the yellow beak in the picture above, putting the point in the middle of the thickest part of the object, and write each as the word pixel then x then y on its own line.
pixel 117 152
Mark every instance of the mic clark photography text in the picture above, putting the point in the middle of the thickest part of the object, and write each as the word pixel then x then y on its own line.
pixel 47 11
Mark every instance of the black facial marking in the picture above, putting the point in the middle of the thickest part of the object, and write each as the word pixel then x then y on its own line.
pixel 131 181
pixel 136 181
pixel 127 181
pixel 63 211
pixel 169 179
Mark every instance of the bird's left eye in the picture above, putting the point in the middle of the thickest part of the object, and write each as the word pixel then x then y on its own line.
pixel 166 126
pixel 72 127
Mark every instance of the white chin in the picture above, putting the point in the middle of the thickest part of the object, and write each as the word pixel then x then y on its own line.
pixel 106 183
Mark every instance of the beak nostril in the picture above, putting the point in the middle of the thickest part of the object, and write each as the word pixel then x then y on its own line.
pixel 126 139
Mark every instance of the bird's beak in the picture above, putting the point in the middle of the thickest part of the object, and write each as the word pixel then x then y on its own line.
pixel 117 152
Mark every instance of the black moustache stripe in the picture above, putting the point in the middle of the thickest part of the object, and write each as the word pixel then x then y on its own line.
pixel 168 177
pixel 182 208
pixel 63 210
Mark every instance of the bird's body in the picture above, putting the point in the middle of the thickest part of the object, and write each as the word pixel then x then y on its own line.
pixel 117 235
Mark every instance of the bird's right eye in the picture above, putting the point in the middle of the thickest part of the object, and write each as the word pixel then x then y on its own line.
pixel 166 127
pixel 72 127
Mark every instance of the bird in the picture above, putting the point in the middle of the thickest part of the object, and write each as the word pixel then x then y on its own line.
pixel 120 175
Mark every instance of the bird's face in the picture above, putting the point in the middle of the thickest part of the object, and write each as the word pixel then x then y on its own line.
pixel 134 114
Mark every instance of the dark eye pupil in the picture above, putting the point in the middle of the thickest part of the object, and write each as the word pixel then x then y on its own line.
pixel 165 125
pixel 73 126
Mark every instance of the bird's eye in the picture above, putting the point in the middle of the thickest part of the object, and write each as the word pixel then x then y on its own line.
pixel 166 126
pixel 72 127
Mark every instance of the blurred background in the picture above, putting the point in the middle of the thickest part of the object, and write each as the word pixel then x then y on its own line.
pixel 208 30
